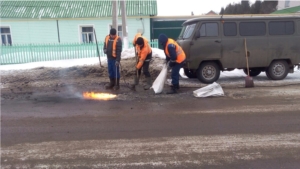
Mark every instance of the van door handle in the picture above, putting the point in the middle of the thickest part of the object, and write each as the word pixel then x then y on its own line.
pixel 217 41
pixel 192 43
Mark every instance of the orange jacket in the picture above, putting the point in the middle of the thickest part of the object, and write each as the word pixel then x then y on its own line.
pixel 180 53
pixel 142 53
pixel 114 54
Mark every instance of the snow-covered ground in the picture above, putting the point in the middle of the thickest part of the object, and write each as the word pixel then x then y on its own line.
pixel 229 77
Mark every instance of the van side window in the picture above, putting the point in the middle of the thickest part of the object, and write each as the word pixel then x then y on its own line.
pixel 281 28
pixel 230 29
pixel 252 28
pixel 209 29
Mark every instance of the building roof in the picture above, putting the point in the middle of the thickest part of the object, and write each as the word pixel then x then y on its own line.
pixel 73 9
pixel 211 12
pixel 295 9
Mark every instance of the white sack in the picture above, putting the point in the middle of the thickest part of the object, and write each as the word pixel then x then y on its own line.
pixel 210 90
pixel 158 84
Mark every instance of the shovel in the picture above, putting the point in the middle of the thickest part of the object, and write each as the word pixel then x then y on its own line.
pixel 137 71
pixel 248 79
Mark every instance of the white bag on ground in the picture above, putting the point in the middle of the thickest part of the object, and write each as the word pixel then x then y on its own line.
pixel 158 84
pixel 210 90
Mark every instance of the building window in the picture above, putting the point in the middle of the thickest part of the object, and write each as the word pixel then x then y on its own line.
pixel 287 3
pixel 87 34
pixel 120 33
pixel 5 36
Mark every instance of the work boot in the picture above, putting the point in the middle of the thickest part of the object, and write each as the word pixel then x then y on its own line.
pixel 173 90
pixel 148 83
pixel 117 86
pixel 111 84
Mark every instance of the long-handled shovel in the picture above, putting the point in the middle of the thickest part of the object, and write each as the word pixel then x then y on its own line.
pixel 137 71
pixel 136 61
pixel 116 82
pixel 97 48
pixel 248 79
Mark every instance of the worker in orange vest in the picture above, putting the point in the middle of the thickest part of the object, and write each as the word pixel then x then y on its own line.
pixel 175 57
pixel 144 54
pixel 113 48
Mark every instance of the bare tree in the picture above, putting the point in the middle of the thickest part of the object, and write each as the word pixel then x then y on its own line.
pixel 244 7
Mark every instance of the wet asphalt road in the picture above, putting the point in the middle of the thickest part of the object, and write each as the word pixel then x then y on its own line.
pixel 248 128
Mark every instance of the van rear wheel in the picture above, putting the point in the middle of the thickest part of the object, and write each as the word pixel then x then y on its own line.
pixel 252 72
pixel 208 72
pixel 190 73
pixel 278 70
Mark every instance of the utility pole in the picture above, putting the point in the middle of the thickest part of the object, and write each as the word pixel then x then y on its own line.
pixel 115 14
pixel 124 24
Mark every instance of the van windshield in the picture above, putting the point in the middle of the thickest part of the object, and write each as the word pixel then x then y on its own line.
pixel 187 31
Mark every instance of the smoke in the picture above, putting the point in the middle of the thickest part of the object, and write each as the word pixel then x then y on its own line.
pixel 65 76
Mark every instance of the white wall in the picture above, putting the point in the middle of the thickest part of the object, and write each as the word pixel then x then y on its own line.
pixel 282 3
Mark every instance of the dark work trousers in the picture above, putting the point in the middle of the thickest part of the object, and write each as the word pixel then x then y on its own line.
pixel 112 68
pixel 145 66
pixel 175 73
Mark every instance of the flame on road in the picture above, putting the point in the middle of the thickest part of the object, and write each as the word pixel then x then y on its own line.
pixel 98 96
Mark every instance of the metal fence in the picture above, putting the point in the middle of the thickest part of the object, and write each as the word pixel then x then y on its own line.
pixel 26 53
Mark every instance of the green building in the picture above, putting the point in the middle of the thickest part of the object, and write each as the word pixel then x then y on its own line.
pixel 37 22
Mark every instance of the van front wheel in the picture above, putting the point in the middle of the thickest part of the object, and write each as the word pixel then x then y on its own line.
pixel 278 70
pixel 208 72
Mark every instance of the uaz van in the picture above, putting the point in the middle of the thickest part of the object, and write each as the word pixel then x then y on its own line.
pixel 214 44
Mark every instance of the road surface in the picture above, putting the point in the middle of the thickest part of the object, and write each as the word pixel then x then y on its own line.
pixel 247 128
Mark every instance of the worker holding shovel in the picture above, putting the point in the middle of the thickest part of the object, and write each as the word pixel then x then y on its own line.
pixel 113 48
pixel 143 56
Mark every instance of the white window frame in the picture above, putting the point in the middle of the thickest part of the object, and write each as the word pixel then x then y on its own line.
pixel 120 33
pixel 6 35
pixel 80 32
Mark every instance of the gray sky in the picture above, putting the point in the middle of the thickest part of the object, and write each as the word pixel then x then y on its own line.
pixel 185 7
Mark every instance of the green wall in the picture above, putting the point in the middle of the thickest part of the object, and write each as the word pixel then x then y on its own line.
pixel 171 28
pixel 24 31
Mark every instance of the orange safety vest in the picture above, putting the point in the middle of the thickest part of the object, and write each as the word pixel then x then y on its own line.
pixel 142 53
pixel 180 53
pixel 114 53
